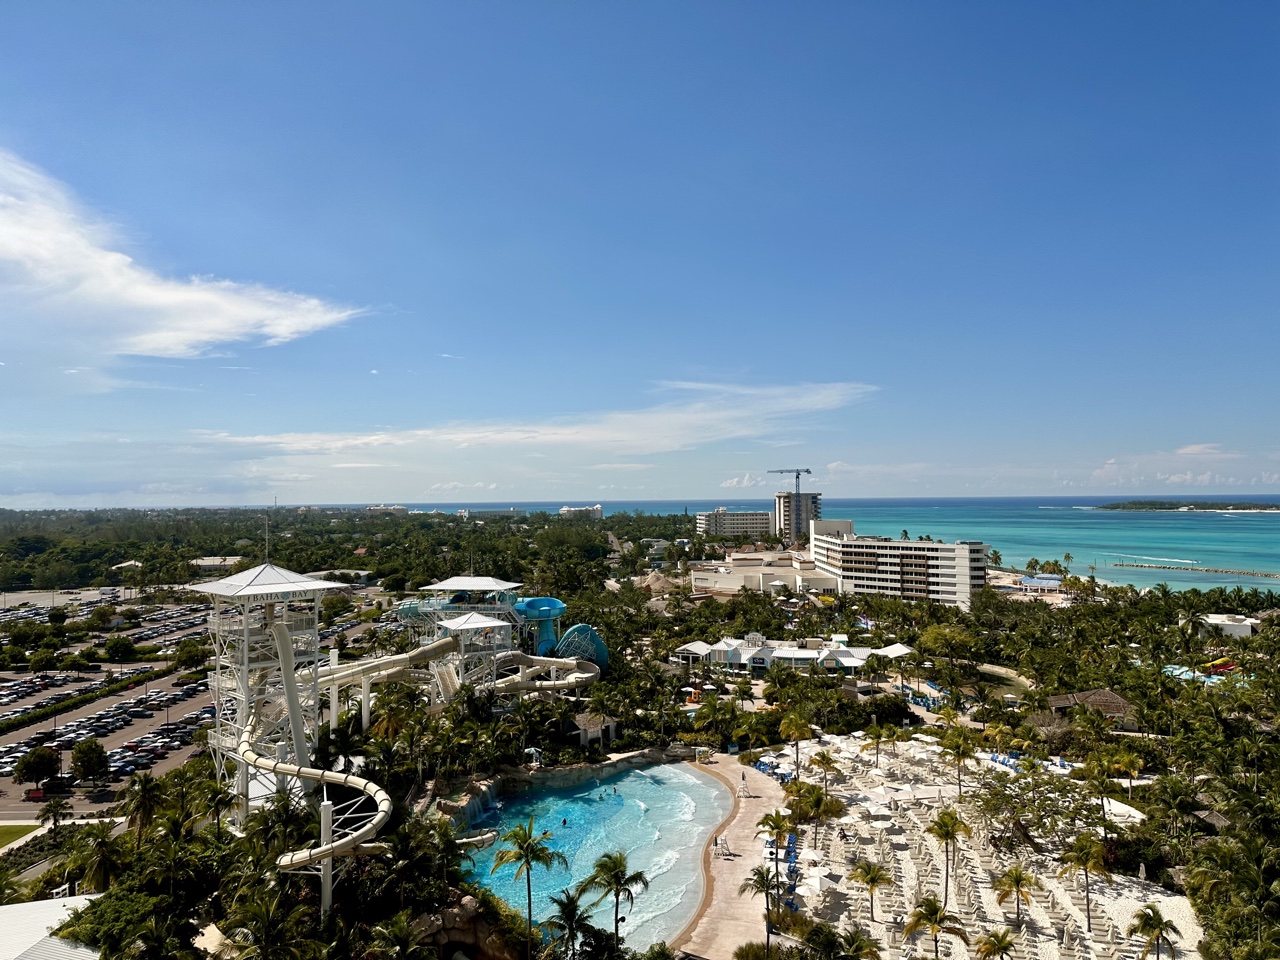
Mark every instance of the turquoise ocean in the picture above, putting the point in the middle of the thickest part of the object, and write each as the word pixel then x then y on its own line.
pixel 1045 528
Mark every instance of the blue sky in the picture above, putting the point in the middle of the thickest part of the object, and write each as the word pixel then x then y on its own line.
pixel 502 252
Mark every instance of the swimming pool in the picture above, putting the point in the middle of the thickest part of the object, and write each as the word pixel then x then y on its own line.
pixel 660 816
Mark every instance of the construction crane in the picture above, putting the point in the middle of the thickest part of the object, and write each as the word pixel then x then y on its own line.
pixel 795 502
pixel 797 471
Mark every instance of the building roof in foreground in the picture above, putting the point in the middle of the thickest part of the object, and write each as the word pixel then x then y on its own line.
pixel 27 925
pixel 55 948
pixel 265 581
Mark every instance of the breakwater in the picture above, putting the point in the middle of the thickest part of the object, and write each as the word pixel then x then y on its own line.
pixel 1233 573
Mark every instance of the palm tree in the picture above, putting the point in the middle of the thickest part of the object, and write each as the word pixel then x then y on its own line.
pixel 272 928
pixel 612 876
pixel 874 736
pixel 932 916
pixel 144 798
pixel 1150 923
pixel 97 855
pixel 218 799
pixel 54 812
pixel 527 850
pixel 570 921
pixel 1130 764
pixel 777 828
pixel 873 876
pixel 761 883
pixel 403 939
pixel 822 942
pixel 959 747
pixel 1085 855
pixel 857 944
pixel 11 890
pixel 997 944
pixel 795 727
pixel 947 827
pixel 824 761
pixel 1016 882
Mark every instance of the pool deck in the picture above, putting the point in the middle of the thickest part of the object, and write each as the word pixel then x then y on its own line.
pixel 724 920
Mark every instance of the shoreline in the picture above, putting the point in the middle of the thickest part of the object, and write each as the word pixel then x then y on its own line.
pixel 723 921
pixel 708 879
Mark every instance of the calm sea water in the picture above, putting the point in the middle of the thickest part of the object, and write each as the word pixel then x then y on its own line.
pixel 661 817
pixel 1045 528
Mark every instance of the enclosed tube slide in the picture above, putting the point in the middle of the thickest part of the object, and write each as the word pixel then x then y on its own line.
pixel 544 613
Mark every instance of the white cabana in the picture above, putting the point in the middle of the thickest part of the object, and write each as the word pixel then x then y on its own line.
pixel 472 621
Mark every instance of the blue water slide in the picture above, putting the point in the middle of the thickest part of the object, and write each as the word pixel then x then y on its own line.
pixel 544 613
pixel 581 642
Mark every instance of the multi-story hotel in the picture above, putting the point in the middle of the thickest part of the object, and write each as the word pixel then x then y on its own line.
pixel 721 522
pixel 911 569
pixel 794 511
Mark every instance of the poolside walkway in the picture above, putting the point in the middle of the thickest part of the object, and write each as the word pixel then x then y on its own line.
pixel 725 920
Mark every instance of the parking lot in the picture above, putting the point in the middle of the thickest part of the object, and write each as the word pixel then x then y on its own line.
pixel 147 728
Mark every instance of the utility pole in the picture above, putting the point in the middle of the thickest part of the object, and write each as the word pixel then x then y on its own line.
pixel 795 500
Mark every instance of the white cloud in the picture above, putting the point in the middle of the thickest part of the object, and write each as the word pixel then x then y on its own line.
pixel 713 412
pixel 458 485
pixel 64 272
pixel 1205 450
pixel 746 480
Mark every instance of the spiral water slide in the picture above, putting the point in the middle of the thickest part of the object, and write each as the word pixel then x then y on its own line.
pixel 354 828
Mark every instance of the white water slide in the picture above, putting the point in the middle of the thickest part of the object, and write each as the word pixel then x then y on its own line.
pixel 267 680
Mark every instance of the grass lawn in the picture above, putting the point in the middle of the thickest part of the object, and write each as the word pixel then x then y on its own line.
pixel 1003 685
pixel 8 834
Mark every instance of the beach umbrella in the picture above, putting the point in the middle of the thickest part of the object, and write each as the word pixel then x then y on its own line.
pixel 686 689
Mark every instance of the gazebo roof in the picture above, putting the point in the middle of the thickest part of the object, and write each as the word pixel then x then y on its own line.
pixel 472 621
pixel 266 581
pixel 472 583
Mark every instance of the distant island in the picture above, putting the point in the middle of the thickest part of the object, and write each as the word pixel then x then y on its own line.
pixel 1188 505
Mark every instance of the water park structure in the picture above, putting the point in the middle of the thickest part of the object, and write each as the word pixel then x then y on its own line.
pixel 269 673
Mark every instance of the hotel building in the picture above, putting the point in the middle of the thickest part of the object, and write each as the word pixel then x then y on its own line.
pixel 911 569
pixel 720 522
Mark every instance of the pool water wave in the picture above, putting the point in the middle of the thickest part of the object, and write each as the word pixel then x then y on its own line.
pixel 660 817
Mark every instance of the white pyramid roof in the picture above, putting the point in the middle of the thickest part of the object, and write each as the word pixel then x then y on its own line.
pixel 472 621
pixel 472 583
pixel 894 650
pixel 266 581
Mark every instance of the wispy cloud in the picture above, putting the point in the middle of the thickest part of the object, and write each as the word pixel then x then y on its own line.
pixel 64 269
pixel 709 413
pixel 1205 450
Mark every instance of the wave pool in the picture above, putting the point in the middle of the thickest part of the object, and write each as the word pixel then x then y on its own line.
pixel 661 817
